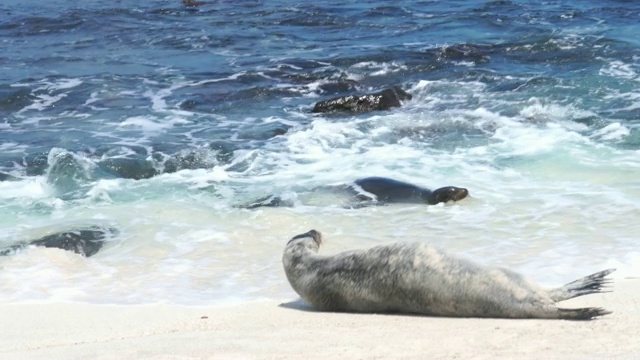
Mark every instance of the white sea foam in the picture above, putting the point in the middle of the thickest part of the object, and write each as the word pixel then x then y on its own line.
pixel 151 124
pixel 547 199
pixel 44 94
pixel 620 69
pixel 614 131
pixel 12 147
pixel 32 188
pixel 378 69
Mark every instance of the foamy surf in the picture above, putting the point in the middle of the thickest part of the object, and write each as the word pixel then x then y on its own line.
pixel 165 134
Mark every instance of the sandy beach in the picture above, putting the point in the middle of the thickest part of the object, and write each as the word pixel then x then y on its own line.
pixel 289 330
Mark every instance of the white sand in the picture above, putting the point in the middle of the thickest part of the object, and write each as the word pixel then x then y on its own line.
pixel 288 330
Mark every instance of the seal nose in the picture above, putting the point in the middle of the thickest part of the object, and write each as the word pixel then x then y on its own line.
pixel 463 193
pixel 316 235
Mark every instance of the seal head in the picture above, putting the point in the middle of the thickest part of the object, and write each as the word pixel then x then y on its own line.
pixel 446 194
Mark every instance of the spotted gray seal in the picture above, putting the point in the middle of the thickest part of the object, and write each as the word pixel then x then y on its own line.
pixel 416 278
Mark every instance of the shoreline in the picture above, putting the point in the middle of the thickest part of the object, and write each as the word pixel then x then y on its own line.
pixel 288 329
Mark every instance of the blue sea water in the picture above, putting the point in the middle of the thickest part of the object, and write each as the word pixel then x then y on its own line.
pixel 158 119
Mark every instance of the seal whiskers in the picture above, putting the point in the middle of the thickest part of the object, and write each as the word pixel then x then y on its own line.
pixel 416 278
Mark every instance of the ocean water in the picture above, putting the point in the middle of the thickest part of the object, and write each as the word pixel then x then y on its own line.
pixel 159 119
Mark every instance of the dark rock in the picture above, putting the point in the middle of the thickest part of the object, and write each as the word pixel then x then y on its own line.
pixel 218 152
pixel 129 168
pixel 188 105
pixel 202 158
pixel 263 131
pixel 465 52
pixel 36 164
pixel 339 86
pixel 192 3
pixel 383 100
pixel 268 201
pixel 84 241
pixel 7 177
pixel 13 100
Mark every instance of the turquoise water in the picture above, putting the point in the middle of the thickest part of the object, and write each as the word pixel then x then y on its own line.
pixel 159 119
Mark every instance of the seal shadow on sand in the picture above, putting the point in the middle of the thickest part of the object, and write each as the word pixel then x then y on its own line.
pixel 301 305
pixel 298 304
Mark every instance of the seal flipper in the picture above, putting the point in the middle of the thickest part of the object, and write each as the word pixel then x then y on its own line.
pixel 591 284
pixel 581 313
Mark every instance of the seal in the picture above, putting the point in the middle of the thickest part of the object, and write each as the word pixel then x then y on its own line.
pixel 374 190
pixel 415 278
pixel 394 191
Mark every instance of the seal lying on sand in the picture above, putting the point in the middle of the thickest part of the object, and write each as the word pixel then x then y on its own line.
pixel 419 279
pixel 85 241
pixel 377 190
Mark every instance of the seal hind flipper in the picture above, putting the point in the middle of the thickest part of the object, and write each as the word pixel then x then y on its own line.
pixel 581 313
pixel 591 284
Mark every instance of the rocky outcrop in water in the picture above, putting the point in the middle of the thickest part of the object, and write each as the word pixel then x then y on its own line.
pixel 7 177
pixel 383 100
pixel 83 241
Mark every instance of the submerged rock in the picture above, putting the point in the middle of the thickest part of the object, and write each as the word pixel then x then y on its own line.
pixel 84 241
pixel 268 201
pixel 129 168
pixel 383 100
pixel 7 177
pixel 465 52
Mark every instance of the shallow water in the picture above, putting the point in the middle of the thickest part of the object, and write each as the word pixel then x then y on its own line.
pixel 159 119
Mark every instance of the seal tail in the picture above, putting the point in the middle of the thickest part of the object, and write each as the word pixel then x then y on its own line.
pixel 581 313
pixel 592 284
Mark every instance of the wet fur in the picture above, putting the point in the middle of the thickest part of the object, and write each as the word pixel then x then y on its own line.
pixel 419 279
pixel 375 190
pixel 394 191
